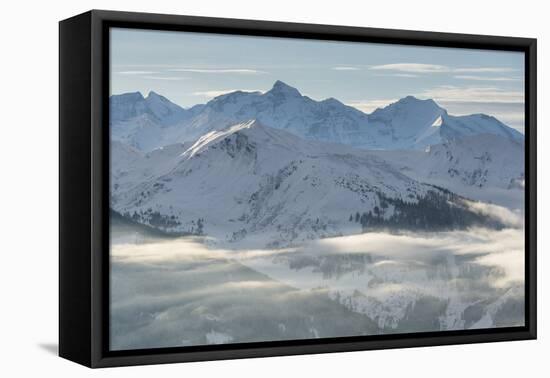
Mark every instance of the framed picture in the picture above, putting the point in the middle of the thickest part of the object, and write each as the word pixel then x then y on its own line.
pixel 234 188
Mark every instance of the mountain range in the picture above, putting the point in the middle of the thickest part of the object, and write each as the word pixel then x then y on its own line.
pixel 410 123
pixel 278 168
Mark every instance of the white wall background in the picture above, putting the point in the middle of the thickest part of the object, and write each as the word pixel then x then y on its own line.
pixel 29 186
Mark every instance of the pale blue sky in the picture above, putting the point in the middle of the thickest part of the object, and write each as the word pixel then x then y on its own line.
pixel 191 68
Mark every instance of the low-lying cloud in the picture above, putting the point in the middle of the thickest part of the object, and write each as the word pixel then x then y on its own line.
pixel 176 292
pixel 501 214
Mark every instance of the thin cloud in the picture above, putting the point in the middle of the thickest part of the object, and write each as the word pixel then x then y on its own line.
pixel 345 68
pixel 399 75
pixel 368 106
pixel 449 93
pixel 485 78
pixel 513 117
pixel 132 72
pixel 484 69
pixel 412 67
pixel 405 75
pixel 145 66
pixel 241 71
pixel 168 78
pixel 423 68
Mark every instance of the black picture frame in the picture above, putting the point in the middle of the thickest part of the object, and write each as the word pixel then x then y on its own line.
pixel 84 189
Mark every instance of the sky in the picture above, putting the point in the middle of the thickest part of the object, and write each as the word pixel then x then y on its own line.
pixel 192 68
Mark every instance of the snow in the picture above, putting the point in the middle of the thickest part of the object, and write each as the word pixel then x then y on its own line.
pixel 409 120
pixel 410 123
pixel 485 167
pixel 273 185
pixel 438 122
pixel 280 167
pixel 143 122
pixel 476 124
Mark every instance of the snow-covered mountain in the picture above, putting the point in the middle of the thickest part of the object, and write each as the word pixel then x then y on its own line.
pixel 130 105
pixel 485 167
pixel 269 187
pixel 416 124
pixel 283 107
pixel 409 123
pixel 144 122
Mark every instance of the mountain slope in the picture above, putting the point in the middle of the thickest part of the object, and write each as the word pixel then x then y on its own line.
pixel 485 167
pixel 130 105
pixel 410 122
pixel 476 124
pixel 268 187
pixel 143 122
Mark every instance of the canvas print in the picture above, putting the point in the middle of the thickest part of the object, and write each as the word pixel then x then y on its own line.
pixel 267 189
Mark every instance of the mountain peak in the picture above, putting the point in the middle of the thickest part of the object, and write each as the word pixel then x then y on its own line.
pixel 332 101
pixel 410 104
pixel 281 88
pixel 129 97
pixel 414 100
pixel 153 94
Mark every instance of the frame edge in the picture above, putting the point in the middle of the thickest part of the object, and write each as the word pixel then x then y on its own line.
pixel 97 87
pixel 75 276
